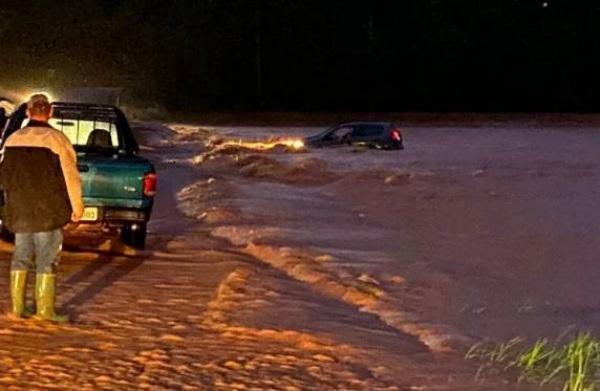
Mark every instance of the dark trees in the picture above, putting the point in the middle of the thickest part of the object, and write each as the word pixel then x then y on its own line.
pixel 299 54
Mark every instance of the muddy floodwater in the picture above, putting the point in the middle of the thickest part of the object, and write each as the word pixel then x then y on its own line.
pixel 333 269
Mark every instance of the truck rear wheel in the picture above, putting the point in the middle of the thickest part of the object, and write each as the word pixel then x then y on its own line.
pixel 134 235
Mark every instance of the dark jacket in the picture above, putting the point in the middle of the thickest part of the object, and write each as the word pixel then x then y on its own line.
pixel 40 180
pixel 3 118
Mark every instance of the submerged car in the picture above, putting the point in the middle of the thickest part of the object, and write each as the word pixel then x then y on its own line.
pixel 118 185
pixel 379 135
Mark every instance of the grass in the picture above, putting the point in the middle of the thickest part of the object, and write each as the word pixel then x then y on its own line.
pixel 574 363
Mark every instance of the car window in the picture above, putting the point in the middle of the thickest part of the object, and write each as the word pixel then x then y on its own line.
pixel 95 129
pixel 367 131
pixel 88 132
pixel 339 133
pixel 84 132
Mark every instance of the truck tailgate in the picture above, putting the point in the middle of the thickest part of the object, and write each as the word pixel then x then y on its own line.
pixel 112 177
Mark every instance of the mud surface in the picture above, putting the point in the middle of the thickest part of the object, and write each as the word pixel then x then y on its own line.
pixel 333 269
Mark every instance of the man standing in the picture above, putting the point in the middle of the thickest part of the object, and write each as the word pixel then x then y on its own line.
pixel 42 194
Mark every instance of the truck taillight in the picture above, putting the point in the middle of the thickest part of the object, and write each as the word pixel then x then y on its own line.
pixel 150 180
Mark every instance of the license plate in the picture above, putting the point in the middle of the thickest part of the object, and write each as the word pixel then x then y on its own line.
pixel 90 214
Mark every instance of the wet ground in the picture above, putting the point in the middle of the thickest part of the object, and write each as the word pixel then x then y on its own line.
pixel 165 318
pixel 340 270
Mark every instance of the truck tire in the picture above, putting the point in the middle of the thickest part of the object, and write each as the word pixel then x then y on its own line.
pixel 134 235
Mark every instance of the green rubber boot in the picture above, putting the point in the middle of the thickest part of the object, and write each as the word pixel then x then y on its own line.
pixel 45 297
pixel 18 285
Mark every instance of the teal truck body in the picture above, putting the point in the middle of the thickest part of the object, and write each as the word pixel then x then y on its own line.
pixel 118 185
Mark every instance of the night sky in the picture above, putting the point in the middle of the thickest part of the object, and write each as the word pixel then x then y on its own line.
pixel 385 55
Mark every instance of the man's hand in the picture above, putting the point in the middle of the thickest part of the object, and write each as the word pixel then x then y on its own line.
pixel 76 216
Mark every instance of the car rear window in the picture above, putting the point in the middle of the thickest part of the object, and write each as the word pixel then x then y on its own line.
pixel 86 132
pixel 90 128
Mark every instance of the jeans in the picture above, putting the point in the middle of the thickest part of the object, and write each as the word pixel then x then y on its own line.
pixel 43 247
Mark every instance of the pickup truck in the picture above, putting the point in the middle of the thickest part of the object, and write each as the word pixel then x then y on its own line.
pixel 118 184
